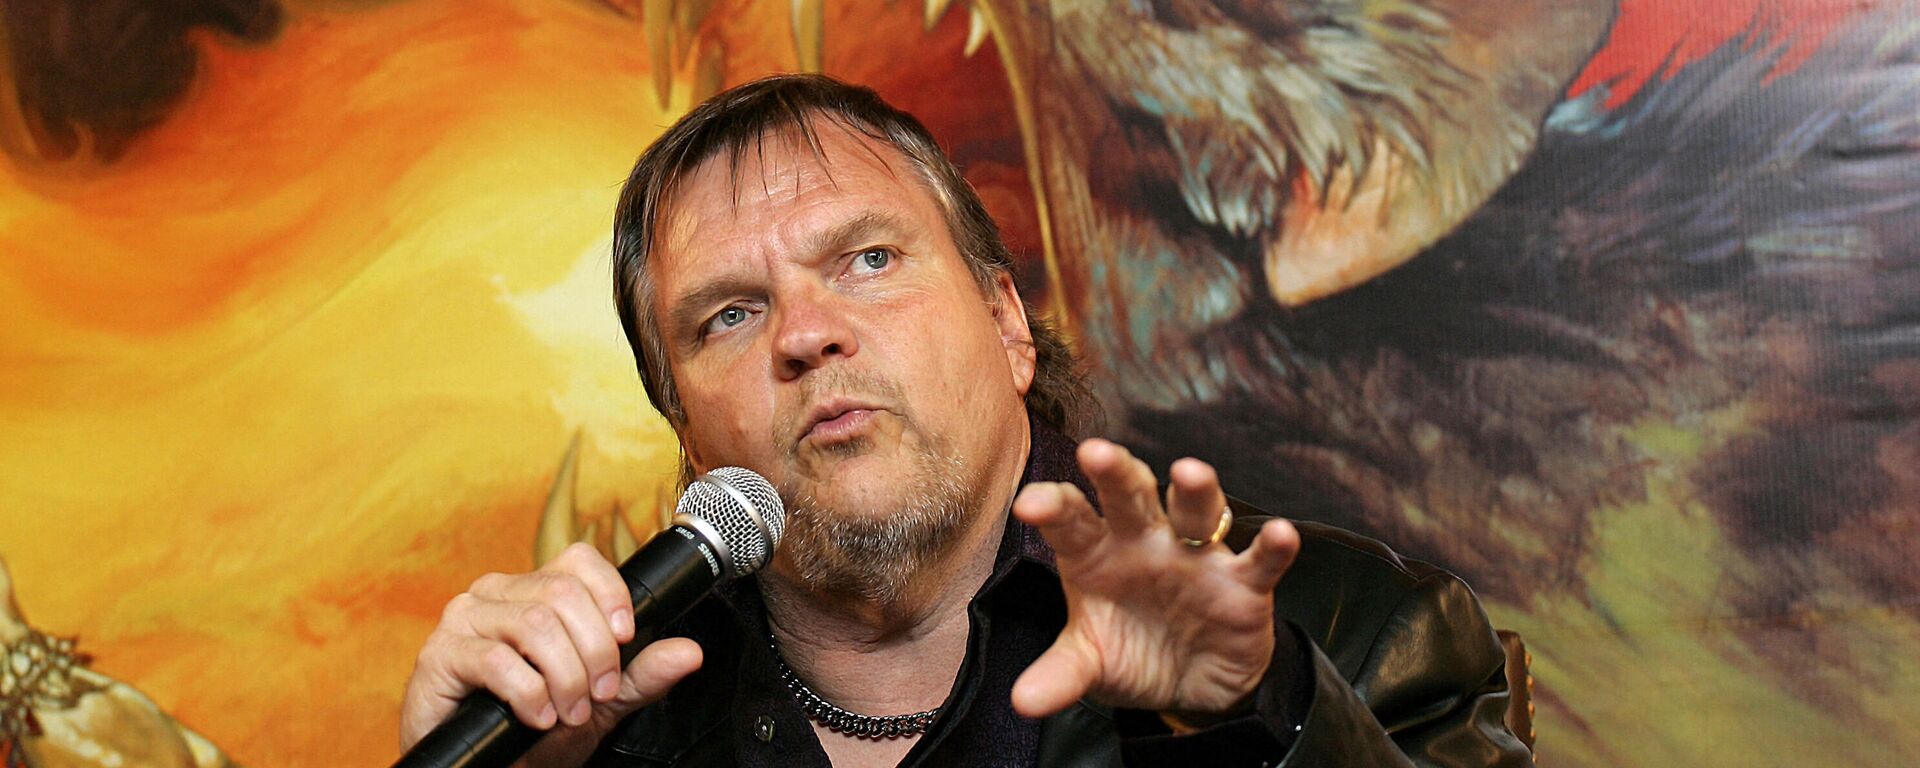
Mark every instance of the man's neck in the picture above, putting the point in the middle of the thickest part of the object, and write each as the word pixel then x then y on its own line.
pixel 885 659
pixel 902 655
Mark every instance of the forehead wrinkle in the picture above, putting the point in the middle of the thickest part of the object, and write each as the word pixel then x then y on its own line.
pixel 860 227
pixel 690 305
pixel 804 131
pixel 681 224
pixel 682 221
pixel 798 133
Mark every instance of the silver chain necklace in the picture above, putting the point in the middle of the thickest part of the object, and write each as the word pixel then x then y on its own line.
pixel 847 723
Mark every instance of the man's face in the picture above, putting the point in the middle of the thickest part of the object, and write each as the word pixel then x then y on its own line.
pixel 823 330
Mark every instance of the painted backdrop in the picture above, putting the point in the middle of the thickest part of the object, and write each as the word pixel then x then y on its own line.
pixel 1614 307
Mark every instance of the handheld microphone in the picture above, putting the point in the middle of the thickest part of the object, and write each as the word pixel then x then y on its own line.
pixel 726 526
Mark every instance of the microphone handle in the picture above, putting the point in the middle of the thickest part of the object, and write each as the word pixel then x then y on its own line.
pixel 667 576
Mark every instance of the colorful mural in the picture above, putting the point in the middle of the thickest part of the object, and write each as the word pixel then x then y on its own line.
pixel 1612 306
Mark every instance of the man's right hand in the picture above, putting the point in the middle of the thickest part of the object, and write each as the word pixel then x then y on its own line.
pixel 548 644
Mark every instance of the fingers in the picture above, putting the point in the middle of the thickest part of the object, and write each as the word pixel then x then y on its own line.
pixel 1062 514
pixel 603 583
pixel 1128 493
pixel 1271 554
pixel 498 668
pixel 579 572
pixel 541 634
pixel 657 669
pixel 452 665
pixel 1195 502
pixel 546 643
pixel 1057 679
pixel 1126 486
pixel 586 595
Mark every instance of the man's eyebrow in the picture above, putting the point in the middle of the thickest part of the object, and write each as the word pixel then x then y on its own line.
pixel 690 311
pixel 855 231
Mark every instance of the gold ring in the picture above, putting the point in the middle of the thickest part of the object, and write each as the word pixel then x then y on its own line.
pixel 1219 532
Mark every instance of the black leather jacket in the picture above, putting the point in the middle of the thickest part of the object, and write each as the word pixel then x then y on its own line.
pixel 1406 669
pixel 1393 663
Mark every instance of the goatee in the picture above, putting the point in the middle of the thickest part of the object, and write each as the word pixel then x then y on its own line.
pixel 874 555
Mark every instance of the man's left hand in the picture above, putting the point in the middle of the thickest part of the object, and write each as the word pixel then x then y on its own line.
pixel 1153 623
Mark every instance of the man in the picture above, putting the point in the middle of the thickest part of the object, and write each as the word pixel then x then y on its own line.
pixel 813 292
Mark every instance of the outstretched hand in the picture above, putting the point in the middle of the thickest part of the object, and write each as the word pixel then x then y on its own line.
pixel 1153 623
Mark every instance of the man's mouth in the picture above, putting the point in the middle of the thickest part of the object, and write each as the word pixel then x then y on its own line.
pixel 837 421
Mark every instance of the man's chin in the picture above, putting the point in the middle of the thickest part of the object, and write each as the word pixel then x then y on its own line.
pixel 866 534
pixel 851 464
pixel 822 462
pixel 872 484
pixel 854 491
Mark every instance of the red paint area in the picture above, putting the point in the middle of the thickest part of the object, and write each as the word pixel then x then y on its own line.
pixel 1649 31
pixel 964 100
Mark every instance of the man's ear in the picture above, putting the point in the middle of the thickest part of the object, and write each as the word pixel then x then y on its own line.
pixel 1010 315
pixel 691 456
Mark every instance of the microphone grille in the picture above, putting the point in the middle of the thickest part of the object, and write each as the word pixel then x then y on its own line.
pixel 742 507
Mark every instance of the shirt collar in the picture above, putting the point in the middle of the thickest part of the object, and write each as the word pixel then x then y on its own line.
pixel 1050 458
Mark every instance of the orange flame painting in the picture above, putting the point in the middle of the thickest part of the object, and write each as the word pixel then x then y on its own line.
pixel 306 322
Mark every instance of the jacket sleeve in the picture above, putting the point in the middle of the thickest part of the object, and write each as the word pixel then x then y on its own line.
pixel 1430 689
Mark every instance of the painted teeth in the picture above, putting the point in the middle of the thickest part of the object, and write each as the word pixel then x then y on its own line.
pixel 656 22
pixel 809 32
pixel 935 10
pixel 671 32
pixel 976 30
pixel 557 529
pixel 611 532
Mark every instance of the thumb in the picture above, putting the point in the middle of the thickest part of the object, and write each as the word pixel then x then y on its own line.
pixel 654 672
pixel 1058 678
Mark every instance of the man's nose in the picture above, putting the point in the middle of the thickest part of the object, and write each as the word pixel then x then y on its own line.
pixel 814 328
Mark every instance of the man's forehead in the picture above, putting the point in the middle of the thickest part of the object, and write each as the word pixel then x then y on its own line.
pixel 785 159
pixel 781 165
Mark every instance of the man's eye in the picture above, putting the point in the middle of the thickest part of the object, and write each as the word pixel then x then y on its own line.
pixel 872 260
pixel 727 318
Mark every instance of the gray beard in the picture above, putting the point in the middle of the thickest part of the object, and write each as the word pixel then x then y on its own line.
pixel 875 555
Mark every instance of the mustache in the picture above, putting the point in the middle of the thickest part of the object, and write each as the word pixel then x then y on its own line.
pixel 867 386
